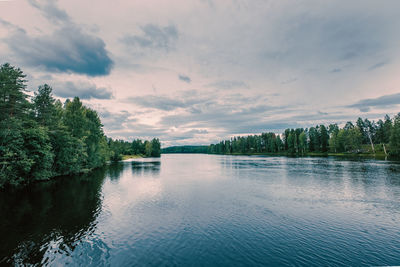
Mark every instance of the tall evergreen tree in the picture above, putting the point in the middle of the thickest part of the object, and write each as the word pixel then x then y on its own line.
pixel 13 97
pixel 395 137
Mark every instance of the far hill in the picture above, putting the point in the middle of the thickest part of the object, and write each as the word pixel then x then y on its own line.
pixel 184 149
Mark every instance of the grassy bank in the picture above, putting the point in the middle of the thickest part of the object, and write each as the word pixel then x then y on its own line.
pixel 125 157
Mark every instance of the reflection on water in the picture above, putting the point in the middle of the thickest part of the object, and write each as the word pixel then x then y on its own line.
pixel 206 210
pixel 34 219
pixel 141 168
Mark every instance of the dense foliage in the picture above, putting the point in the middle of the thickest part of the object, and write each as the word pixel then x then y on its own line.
pixel 363 137
pixel 42 138
pixel 184 149
pixel 136 147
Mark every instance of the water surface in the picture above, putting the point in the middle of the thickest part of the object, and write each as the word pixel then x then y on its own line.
pixel 208 210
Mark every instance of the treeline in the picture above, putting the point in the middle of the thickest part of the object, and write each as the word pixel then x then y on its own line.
pixel 185 149
pixel 40 137
pixel 136 147
pixel 364 136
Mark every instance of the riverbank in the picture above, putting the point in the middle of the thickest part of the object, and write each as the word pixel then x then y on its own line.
pixel 125 157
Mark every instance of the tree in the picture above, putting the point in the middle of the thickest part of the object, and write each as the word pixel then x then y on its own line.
pixel 395 137
pixel 70 155
pixel 314 140
pixel 333 131
pixel 148 148
pixel 155 147
pixel 39 150
pixel 370 130
pixel 291 141
pixel 387 126
pixel 95 141
pixel 324 138
pixel 362 128
pixel 303 142
pixel 15 163
pixel 44 106
pixel 13 98
pixel 74 118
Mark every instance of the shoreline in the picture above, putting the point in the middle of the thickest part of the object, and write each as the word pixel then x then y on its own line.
pixel 377 156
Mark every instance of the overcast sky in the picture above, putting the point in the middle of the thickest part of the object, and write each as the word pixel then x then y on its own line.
pixel 194 72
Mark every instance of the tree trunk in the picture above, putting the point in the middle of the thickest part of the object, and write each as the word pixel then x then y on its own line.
pixel 372 144
pixel 384 149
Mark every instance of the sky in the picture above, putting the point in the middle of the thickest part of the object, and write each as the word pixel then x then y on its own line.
pixel 195 72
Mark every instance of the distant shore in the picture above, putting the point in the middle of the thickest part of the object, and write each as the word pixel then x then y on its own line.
pixel 312 154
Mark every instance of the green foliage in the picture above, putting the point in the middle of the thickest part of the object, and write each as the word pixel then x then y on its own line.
pixel 319 139
pixel 44 138
pixel 155 147
pixel 395 137
pixel 185 149
pixel 14 161
pixel 118 148
pixel 45 110
pixel 13 99
pixel 70 154
pixel 38 149
pixel 148 149
pixel 303 142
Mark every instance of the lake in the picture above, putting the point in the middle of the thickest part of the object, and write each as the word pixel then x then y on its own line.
pixel 209 210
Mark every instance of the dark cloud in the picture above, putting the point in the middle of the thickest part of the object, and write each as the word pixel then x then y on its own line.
pixel 184 78
pixel 153 36
pixel 385 101
pixel 68 49
pixel 82 90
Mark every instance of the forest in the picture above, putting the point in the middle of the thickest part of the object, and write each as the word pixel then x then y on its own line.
pixel 184 149
pixel 40 137
pixel 365 136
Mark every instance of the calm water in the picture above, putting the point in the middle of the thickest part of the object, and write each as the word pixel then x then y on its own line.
pixel 209 210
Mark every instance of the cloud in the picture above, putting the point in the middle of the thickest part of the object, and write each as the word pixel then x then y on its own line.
pixel 51 11
pixel 157 102
pixel 228 84
pixel 6 23
pixel 184 78
pixel 378 65
pixel 154 37
pixel 232 114
pixel 115 121
pixel 83 90
pixel 186 99
pixel 67 49
pixel 382 102
pixel 133 130
pixel 292 80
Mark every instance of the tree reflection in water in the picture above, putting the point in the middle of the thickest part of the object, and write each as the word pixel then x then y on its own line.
pixel 63 210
